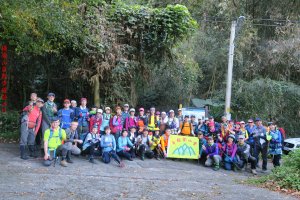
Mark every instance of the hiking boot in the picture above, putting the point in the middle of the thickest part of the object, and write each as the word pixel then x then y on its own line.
pixel 121 164
pixel 130 159
pixel 92 160
pixel 157 158
pixel 23 152
pixel 234 168
pixel 253 171
pixel 69 157
pixel 216 168
pixel 32 151
pixel 143 157
pixel 64 163
pixel 264 171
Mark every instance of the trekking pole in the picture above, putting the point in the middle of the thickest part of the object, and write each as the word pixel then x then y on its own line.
pixel 235 164
pixel 54 157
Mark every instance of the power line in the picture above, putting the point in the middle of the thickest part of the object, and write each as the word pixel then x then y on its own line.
pixel 252 19
pixel 254 24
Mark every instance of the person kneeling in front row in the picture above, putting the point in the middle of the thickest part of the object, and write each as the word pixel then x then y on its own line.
pixel 108 144
pixel 212 152
pixel 53 144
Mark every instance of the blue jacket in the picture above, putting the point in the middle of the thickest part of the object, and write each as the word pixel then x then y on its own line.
pixel 259 135
pixel 82 116
pixel 105 121
pixel 123 142
pixel 275 146
pixel 65 117
pixel 106 140
pixel 201 142
pixel 204 129
pixel 124 116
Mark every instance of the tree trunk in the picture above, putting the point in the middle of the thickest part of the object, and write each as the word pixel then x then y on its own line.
pixel 96 88
pixel 133 96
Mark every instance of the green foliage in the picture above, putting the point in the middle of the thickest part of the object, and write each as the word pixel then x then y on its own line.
pixel 153 28
pixel 39 27
pixel 9 125
pixel 267 99
pixel 286 177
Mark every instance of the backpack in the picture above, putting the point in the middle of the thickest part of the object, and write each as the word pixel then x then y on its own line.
pixel 82 137
pixel 59 134
pixel 190 124
pixel 112 127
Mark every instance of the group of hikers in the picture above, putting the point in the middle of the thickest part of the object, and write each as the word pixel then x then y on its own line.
pixel 75 130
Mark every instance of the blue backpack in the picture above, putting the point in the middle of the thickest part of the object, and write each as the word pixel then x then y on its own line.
pixel 51 134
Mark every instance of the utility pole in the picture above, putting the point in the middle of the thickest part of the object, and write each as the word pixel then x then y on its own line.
pixel 233 32
pixel 229 71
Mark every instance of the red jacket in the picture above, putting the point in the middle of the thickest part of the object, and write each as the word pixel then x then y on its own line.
pixel 34 117
pixel 95 121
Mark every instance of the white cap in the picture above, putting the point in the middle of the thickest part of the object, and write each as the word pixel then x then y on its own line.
pixel 179 109
pixel 132 110
pixel 99 111
pixel 107 108
pixel 171 111
pixel 163 113
pixel 126 105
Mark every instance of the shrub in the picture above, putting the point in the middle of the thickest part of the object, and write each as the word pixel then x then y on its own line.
pixel 286 177
pixel 9 125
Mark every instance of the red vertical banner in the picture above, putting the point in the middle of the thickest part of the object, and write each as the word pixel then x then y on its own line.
pixel 4 78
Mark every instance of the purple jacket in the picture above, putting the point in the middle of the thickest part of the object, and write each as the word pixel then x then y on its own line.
pixel 230 150
pixel 117 122
pixel 130 122
pixel 212 150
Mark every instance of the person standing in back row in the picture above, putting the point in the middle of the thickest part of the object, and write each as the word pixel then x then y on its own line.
pixel 260 143
pixel 82 114
pixel 30 124
pixel 49 111
pixel 66 115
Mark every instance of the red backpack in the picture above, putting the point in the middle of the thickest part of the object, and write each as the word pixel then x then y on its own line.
pixel 111 126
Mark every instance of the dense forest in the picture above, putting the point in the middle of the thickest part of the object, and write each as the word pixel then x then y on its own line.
pixel 159 53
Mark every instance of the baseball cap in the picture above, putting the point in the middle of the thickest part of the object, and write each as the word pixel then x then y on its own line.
pixel 257 119
pixel 171 111
pixel 270 123
pixel 107 108
pixel 99 111
pixel 210 138
pixel 179 109
pixel 132 110
pixel 51 94
pixel 241 137
pixel 242 122
pixel 141 109
pixel 40 100
pixel 231 136
pixel 83 99
pixel 66 101
pixel 126 105
pixel 54 119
